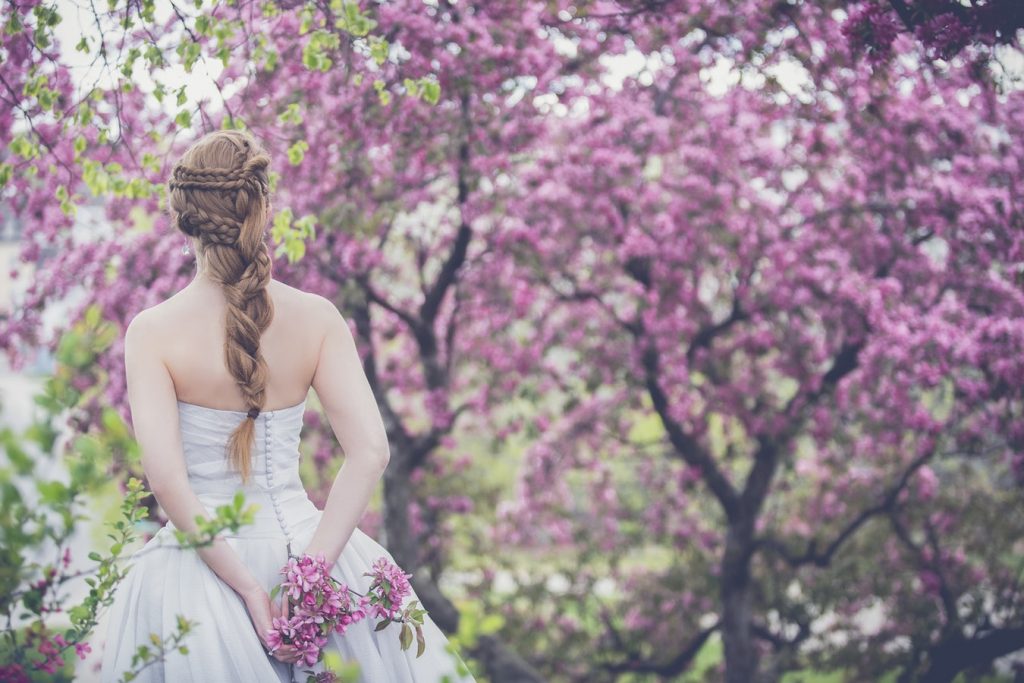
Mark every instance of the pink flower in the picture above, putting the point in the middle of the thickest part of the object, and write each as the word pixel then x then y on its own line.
pixel 321 604
pixel 389 588
pixel 52 661
pixel 13 673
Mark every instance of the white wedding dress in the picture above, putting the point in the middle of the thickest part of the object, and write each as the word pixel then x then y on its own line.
pixel 168 581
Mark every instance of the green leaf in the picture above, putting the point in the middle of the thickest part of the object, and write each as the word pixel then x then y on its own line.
pixel 78 612
pixel 21 146
pixel 431 91
pixel 491 624
pixel 52 492
pixel 379 49
pixel 291 114
pixel 421 643
pixel 405 638
pixel 297 152
pixel 382 94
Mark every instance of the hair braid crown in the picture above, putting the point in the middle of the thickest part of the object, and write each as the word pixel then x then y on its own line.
pixel 219 194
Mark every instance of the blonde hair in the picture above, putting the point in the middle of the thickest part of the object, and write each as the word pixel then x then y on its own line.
pixel 219 194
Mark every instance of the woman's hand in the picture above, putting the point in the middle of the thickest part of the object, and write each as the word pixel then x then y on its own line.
pixel 262 611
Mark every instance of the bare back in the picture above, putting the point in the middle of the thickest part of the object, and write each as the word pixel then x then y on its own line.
pixel 175 351
pixel 193 346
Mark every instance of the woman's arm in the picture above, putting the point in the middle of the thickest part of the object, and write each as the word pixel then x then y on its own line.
pixel 154 411
pixel 345 393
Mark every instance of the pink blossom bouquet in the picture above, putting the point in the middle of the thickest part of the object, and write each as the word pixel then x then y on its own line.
pixel 319 603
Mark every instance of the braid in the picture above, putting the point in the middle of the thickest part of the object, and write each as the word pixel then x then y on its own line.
pixel 219 194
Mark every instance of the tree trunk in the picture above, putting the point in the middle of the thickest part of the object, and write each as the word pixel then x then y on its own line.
pixel 736 594
pixel 501 664
pixel 397 535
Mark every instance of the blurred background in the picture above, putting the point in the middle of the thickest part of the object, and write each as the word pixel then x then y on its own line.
pixel 697 326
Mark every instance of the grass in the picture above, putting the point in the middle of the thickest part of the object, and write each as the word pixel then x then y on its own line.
pixel 711 654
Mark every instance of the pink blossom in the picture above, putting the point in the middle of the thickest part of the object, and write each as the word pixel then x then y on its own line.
pixel 320 604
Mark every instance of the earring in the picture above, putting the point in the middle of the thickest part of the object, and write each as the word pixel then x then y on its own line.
pixel 185 249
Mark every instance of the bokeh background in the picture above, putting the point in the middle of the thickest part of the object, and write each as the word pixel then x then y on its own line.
pixel 697 326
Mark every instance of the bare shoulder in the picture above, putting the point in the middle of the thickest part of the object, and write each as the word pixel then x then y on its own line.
pixel 144 336
pixel 307 304
pixel 152 322
pixel 145 325
pixel 321 309
pixel 308 313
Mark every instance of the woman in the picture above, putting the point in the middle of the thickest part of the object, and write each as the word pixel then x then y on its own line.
pixel 218 377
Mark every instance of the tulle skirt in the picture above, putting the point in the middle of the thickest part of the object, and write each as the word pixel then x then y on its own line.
pixel 223 647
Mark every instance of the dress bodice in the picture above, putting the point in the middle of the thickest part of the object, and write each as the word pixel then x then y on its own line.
pixel 274 483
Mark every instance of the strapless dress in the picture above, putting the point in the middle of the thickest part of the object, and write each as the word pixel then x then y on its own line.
pixel 168 581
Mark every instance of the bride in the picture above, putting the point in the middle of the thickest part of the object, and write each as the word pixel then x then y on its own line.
pixel 218 376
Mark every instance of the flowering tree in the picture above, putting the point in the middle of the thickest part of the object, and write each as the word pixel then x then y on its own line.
pixel 795 322
pixel 373 115
pixel 757 331
pixel 944 27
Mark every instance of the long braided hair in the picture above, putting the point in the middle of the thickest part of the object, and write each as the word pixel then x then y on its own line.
pixel 219 194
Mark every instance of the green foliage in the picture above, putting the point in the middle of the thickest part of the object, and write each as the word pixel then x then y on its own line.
pixel 110 178
pixel 382 93
pixel 292 114
pixel 291 235
pixel 66 205
pixel 379 49
pixel 41 526
pixel 346 672
pixel 145 655
pixel 231 516
pixel 315 55
pixel 207 34
pixel 189 53
pixel 37 88
pixel 297 152
pixel 351 19
pixel 426 87
pixel 23 147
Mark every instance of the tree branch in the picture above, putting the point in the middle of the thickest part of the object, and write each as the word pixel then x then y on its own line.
pixel 707 334
pixel 953 655
pixel 673 667
pixel 683 443
pixel 433 297
pixel 822 559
